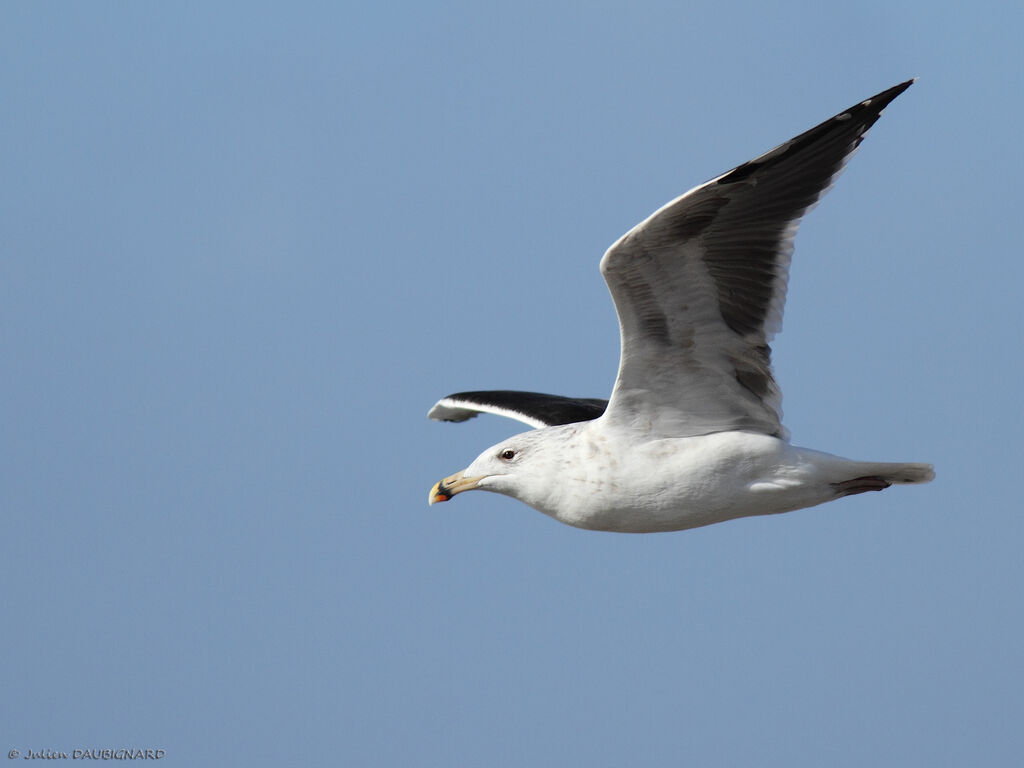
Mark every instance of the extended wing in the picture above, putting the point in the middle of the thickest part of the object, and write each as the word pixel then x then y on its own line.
pixel 534 408
pixel 699 286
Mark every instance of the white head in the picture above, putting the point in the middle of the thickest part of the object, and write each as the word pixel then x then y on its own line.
pixel 524 467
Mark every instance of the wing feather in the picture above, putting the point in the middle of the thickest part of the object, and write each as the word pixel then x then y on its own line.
pixel 700 285
pixel 534 408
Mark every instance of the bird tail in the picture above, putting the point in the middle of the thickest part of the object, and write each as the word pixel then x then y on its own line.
pixel 876 476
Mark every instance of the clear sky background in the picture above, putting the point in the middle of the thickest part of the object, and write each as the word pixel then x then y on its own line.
pixel 245 247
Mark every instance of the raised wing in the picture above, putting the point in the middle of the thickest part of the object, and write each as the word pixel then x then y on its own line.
pixel 700 286
pixel 534 408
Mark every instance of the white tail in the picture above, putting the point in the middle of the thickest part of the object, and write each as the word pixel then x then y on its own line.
pixel 872 476
pixel 906 474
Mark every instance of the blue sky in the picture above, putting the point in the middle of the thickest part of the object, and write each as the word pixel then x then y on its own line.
pixel 246 247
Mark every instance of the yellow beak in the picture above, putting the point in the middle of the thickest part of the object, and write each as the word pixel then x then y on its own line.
pixel 452 485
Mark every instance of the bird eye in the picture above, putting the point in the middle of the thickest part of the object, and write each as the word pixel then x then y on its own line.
pixel 507 455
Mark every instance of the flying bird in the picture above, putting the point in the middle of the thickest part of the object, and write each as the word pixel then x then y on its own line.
pixel 692 433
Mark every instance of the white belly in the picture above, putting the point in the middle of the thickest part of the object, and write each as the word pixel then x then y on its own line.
pixel 677 483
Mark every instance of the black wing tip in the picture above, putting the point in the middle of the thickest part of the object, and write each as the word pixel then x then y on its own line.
pixel 531 407
pixel 880 101
pixel 858 119
pixel 891 93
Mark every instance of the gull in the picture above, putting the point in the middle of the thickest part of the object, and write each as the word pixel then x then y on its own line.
pixel 692 433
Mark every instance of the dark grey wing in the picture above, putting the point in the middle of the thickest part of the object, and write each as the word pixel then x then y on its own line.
pixel 700 286
pixel 534 408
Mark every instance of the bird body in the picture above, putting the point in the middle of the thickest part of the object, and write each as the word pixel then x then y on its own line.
pixel 692 432
pixel 609 480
